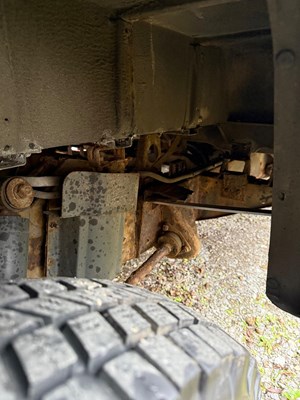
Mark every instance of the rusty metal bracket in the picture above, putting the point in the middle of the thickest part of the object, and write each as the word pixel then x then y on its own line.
pixel 283 283
pixel 234 186
pixel 203 198
pixel 182 223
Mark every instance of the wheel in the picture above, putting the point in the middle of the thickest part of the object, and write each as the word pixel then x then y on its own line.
pixel 80 339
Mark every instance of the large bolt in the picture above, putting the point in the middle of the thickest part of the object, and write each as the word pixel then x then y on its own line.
pixel 16 194
pixel 185 249
pixel 23 190
pixel 285 58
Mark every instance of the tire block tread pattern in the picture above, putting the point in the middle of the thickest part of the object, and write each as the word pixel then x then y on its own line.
pixel 83 339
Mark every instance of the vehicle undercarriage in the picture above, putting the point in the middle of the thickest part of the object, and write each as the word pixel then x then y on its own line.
pixel 125 122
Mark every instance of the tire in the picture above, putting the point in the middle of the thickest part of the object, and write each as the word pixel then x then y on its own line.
pixel 85 340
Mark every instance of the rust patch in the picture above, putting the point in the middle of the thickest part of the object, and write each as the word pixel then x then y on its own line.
pixel 234 186
pixel 16 194
pixel 182 222
pixel 129 249
pixel 150 226
pixel 36 254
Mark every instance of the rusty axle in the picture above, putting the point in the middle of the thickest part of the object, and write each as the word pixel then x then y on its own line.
pixel 148 265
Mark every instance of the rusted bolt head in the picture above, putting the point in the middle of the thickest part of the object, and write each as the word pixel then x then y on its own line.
pixel 23 190
pixel 165 227
pixel 17 194
pixel 172 239
pixel 185 249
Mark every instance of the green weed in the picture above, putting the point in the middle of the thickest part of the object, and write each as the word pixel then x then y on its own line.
pixel 291 394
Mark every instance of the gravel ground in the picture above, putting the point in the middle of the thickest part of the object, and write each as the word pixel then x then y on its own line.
pixel 226 283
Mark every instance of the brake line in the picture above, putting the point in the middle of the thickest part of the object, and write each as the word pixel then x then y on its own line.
pixel 153 175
